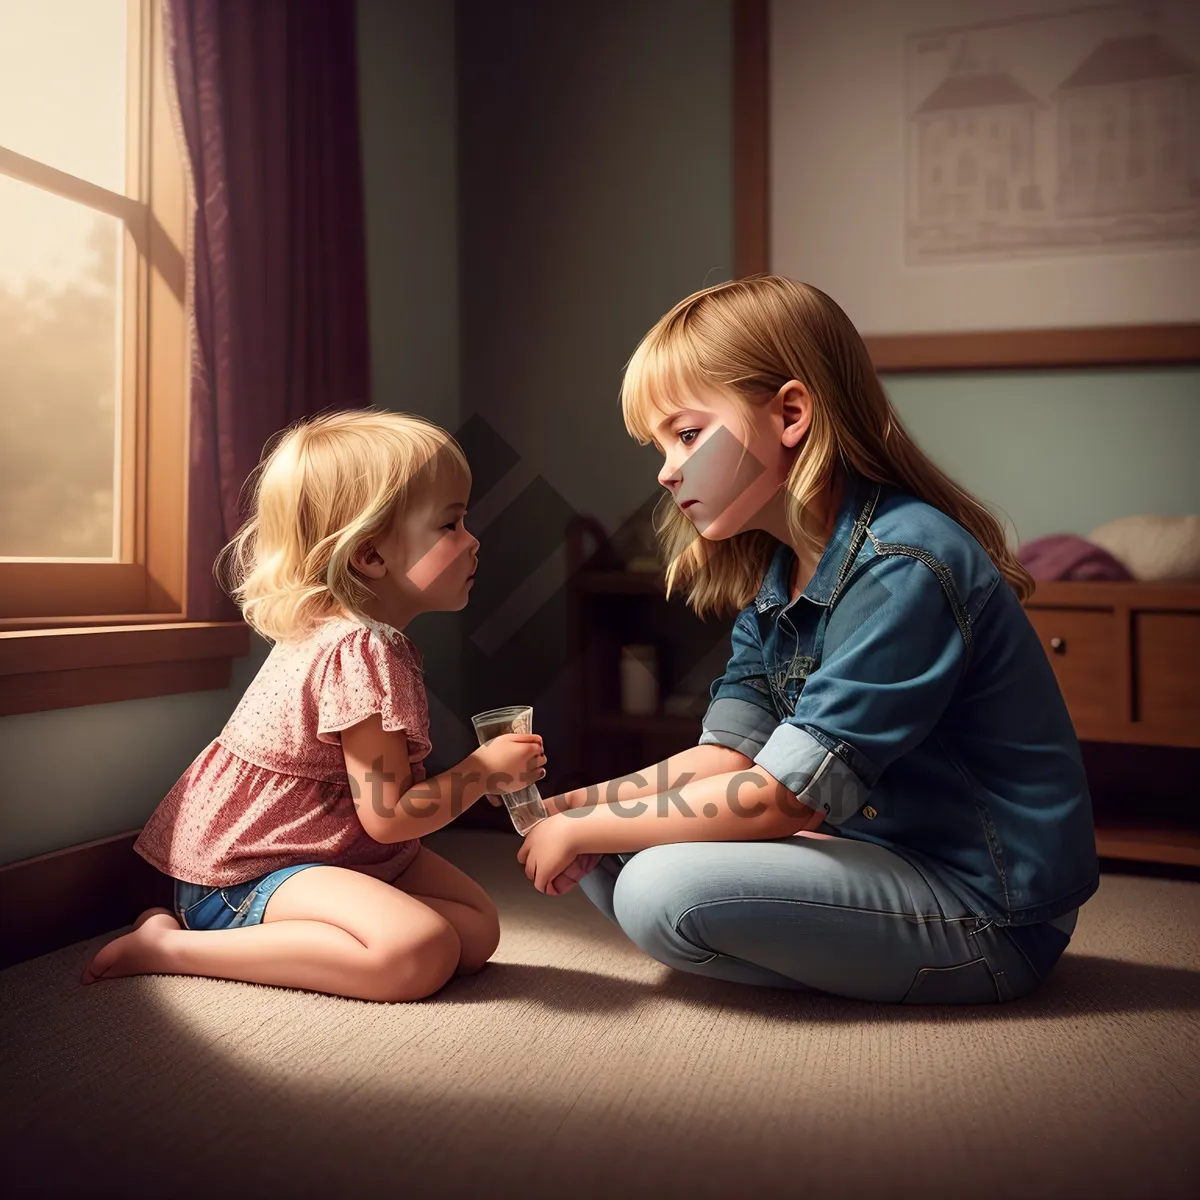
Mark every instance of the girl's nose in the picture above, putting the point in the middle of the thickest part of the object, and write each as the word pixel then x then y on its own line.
pixel 667 475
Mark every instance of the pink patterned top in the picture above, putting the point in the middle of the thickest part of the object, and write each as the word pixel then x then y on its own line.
pixel 271 790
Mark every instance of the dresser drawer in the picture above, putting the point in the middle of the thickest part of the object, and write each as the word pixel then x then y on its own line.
pixel 1085 650
pixel 1167 675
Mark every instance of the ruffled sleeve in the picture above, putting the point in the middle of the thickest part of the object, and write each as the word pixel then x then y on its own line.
pixel 366 673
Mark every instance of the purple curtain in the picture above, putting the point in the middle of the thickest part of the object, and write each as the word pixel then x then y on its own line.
pixel 268 97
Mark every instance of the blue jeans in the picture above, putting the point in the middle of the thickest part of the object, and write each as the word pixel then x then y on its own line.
pixel 835 915
pixel 202 906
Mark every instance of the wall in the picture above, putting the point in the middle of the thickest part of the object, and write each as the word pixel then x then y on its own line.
pixel 595 166
pixel 1062 452
pixel 1054 451
pixel 408 118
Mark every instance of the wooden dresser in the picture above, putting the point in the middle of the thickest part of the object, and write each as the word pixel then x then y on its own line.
pixel 1127 658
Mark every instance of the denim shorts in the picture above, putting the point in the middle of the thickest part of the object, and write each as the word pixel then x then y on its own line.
pixel 202 906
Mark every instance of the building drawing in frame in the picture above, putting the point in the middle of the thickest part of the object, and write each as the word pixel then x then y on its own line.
pixel 1066 132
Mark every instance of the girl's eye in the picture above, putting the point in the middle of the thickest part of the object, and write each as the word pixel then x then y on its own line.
pixel 683 436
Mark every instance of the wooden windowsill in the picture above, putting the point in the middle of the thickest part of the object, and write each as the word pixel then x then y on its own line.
pixel 42 669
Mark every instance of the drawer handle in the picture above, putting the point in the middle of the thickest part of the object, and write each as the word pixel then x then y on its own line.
pixel 1058 645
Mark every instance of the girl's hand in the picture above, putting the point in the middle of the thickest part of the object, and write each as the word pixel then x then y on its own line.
pixel 566 880
pixel 513 759
pixel 549 848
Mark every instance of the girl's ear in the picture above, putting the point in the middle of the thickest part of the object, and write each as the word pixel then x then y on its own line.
pixel 367 561
pixel 796 409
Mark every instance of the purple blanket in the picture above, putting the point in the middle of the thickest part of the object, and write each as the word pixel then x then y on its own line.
pixel 1065 556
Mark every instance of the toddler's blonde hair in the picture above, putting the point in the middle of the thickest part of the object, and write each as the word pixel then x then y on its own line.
pixel 747 338
pixel 324 486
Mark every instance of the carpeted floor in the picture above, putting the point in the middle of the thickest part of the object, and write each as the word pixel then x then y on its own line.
pixel 575 1066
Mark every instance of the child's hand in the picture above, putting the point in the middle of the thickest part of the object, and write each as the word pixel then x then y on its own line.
pixel 510 762
pixel 549 848
pixel 564 881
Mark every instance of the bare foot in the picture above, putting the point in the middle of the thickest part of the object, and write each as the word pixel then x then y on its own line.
pixel 132 953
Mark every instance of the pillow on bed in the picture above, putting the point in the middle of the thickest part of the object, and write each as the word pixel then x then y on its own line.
pixel 1154 548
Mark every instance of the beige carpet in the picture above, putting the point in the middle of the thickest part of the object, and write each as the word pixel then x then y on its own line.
pixel 575 1066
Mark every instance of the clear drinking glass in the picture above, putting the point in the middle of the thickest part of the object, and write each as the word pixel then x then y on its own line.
pixel 525 807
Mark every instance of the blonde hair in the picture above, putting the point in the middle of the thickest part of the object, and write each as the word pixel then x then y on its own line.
pixel 748 338
pixel 324 486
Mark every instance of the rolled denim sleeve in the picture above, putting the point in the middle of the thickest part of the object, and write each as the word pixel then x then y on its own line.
pixel 740 714
pixel 893 656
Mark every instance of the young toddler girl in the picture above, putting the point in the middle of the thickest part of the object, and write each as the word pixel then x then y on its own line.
pixel 294 838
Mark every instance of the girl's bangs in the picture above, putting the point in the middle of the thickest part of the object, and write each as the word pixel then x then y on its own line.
pixel 657 382
pixel 439 460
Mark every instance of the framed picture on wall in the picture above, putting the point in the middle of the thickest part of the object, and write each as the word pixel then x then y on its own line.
pixel 978 183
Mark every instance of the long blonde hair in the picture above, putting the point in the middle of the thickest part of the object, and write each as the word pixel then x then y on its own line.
pixel 748 337
pixel 324 486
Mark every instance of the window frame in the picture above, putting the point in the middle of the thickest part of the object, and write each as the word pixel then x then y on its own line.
pixel 74 633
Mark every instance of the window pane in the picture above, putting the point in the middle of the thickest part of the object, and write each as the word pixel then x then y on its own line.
pixel 60 327
pixel 63 85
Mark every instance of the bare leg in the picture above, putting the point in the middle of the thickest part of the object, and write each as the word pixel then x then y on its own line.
pixel 327 929
pixel 470 924
pixel 154 912
pixel 460 900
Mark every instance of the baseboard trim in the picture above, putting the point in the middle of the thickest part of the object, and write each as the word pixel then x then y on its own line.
pixel 68 895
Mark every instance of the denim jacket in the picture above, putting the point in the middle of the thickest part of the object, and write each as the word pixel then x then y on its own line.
pixel 905 695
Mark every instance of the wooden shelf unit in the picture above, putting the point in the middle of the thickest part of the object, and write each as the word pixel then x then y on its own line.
pixel 665 723
pixel 1173 847
pixel 1126 655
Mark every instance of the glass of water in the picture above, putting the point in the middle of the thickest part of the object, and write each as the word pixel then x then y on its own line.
pixel 525 807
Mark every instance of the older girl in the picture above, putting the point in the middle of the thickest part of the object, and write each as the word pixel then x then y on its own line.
pixel 887 801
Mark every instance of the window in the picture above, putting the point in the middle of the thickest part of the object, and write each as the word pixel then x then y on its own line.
pixel 93 365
